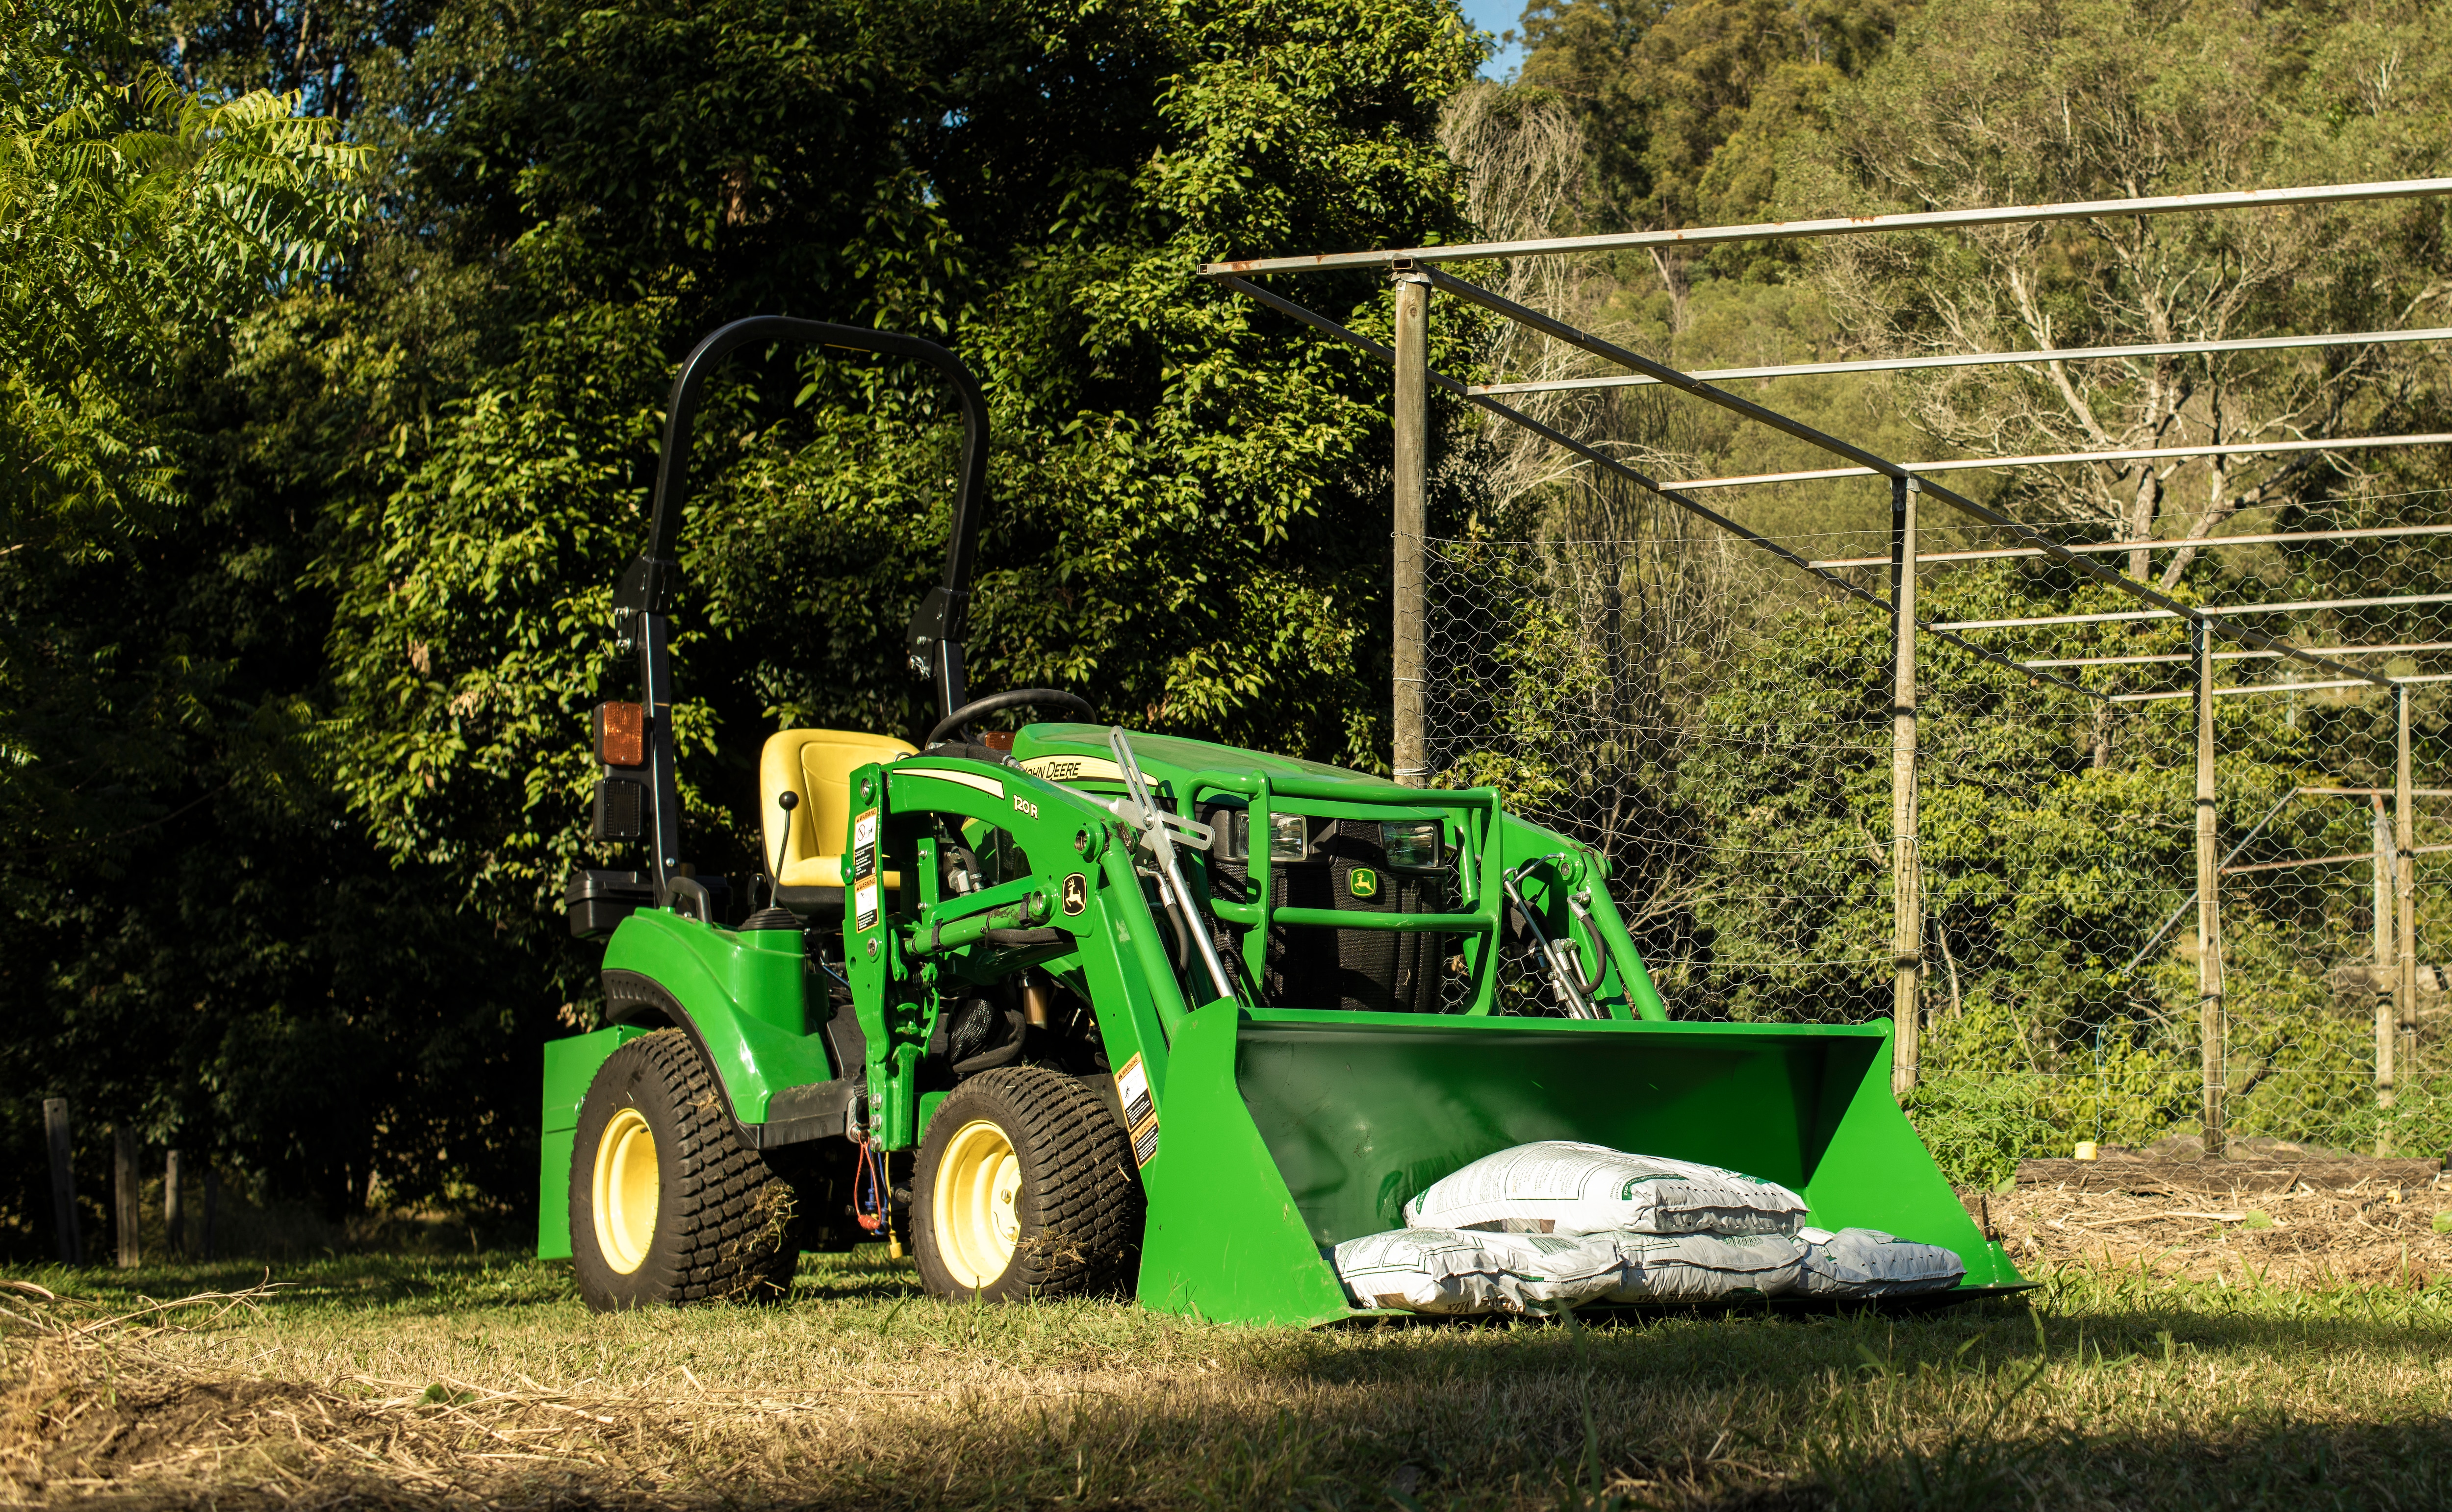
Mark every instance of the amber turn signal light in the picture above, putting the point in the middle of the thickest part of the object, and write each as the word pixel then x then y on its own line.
pixel 621 734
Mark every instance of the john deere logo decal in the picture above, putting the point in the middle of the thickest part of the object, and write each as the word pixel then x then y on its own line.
pixel 1363 882
pixel 1077 892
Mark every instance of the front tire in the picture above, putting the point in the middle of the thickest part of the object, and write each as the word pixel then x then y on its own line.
pixel 667 1203
pixel 1025 1188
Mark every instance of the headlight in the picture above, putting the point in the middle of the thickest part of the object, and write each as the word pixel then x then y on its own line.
pixel 1232 829
pixel 1289 837
pixel 1414 845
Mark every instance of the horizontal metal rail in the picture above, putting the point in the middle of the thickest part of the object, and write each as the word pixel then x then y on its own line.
pixel 2280 687
pixel 2245 687
pixel 2373 793
pixel 2055 459
pixel 1837 225
pixel 2238 656
pixel 2278 539
pixel 2205 611
pixel 2037 357
pixel 2325 860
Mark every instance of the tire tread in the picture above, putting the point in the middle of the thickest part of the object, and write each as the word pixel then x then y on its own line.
pixel 728 1242
pixel 1088 1190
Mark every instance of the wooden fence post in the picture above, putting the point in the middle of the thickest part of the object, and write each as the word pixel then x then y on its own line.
pixel 64 1203
pixel 126 1180
pixel 213 1200
pixel 174 1207
pixel 1907 906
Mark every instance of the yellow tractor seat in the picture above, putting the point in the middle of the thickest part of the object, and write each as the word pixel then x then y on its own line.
pixel 817 765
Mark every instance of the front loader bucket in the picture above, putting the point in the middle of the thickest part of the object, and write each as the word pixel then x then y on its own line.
pixel 1287 1131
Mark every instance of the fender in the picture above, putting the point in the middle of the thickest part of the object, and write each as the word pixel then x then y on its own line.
pixel 739 997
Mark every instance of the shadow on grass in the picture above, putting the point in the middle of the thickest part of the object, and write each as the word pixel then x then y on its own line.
pixel 2297 1464
pixel 341 1282
pixel 436 1284
pixel 2086 1320
pixel 864 1275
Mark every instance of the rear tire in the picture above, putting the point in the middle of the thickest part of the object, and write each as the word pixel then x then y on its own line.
pixel 1025 1188
pixel 667 1203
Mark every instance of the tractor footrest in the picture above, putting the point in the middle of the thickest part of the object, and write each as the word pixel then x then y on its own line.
pixel 799 1114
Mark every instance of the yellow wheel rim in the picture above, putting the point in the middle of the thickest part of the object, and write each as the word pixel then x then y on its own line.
pixel 976 1207
pixel 627 1188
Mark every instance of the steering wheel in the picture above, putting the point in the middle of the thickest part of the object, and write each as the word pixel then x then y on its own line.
pixel 1016 699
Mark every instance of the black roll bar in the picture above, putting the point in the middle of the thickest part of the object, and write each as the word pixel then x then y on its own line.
pixel 645 596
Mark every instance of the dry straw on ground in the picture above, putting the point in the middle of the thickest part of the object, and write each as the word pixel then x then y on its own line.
pixel 155 1409
pixel 429 1384
pixel 2367 1232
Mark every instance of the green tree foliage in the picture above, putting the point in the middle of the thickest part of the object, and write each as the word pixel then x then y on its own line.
pixel 1689 105
pixel 1182 519
pixel 135 218
pixel 198 941
pixel 320 931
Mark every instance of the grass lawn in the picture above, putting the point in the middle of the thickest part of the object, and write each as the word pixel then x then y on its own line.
pixel 431 1381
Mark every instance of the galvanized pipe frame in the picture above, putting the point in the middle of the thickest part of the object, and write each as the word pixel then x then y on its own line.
pixel 2041 357
pixel 1838 225
pixel 2203 625
pixel 2398 682
pixel 1560 330
pixel 1908 911
pixel 1612 464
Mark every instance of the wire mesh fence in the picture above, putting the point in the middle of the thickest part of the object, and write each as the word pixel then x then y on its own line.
pixel 1719 725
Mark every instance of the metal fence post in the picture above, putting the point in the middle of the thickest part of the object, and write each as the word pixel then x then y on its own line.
pixel 2209 962
pixel 2385 980
pixel 2404 823
pixel 1413 424
pixel 126 1183
pixel 57 1134
pixel 1907 904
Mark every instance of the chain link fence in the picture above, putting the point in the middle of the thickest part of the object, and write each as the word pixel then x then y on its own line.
pixel 1718 725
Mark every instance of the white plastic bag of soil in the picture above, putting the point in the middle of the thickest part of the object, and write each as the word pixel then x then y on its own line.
pixel 1868 1263
pixel 1701 1267
pixel 1446 1270
pixel 1559 1187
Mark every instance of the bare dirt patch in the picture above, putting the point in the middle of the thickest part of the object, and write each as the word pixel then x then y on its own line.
pixel 2313 1224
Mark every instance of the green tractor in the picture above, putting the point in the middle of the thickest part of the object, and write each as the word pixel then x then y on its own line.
pixel 1083 1011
